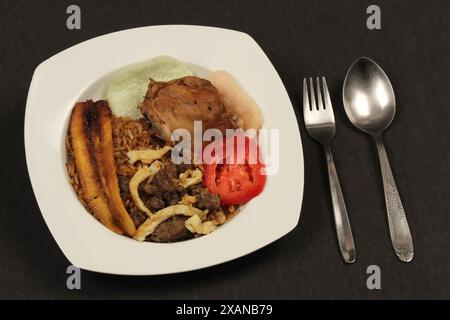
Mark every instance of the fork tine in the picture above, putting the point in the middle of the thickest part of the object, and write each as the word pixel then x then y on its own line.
pixel 319 95
pixel 313 97
pixel 306 106
pixel 326 94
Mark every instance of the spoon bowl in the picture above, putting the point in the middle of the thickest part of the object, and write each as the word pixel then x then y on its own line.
pixel 369 102
pixel 368 96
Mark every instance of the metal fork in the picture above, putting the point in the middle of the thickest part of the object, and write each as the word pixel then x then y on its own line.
pixel 320 124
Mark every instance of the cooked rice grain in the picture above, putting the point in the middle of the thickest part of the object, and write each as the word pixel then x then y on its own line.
pixel 129 135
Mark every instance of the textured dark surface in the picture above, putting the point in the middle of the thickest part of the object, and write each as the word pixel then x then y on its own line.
pixel 301 38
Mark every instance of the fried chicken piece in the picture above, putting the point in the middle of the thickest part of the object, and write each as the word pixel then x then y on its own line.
pixel 178 103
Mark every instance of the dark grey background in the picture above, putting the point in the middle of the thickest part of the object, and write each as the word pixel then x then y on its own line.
pixel 301 38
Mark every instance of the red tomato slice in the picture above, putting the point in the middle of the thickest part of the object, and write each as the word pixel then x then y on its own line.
pixel 235 183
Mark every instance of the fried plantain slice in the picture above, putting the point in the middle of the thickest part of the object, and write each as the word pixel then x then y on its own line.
pixel 93 195
pixel 103 148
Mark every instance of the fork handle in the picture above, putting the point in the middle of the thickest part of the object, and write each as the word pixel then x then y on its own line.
pixel 343 229
pixel 398 225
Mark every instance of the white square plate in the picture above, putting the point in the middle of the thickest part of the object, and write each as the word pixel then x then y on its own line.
pixel 82 72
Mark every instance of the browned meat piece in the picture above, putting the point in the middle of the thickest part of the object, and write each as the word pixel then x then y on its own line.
pixel 172 198
pixel 205 199
pixel 155 203
pixel 124 183
pixel 166 180
pixel 171 230
pixel 163 190
pixel 178 103
pixel 149 189
pixel 137 215
pixel 164 183
pixel 183 168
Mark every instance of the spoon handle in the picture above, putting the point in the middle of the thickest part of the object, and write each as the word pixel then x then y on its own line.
pixel 398 225
pixel 343 229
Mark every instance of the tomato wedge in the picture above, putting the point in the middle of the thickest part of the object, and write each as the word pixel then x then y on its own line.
pixel 236 182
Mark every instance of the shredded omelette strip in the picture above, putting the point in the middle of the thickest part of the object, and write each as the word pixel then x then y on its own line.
pixel 140 176
pixel 190 177
pixel 147 156
pixel 195 225
pixel 150 225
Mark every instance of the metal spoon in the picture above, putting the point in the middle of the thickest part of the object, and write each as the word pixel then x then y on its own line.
pixel 369 102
